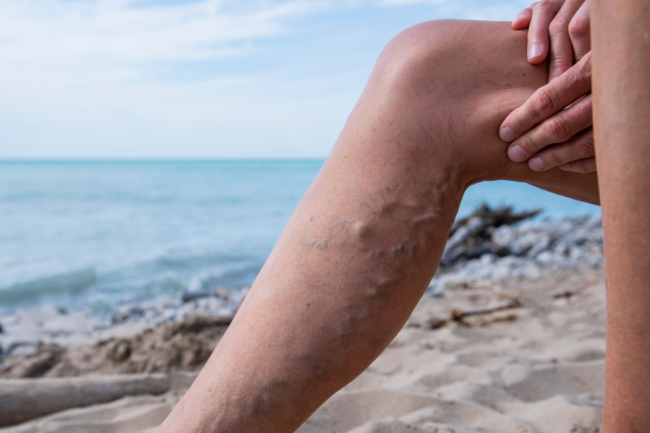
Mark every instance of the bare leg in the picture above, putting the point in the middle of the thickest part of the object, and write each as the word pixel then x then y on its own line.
pixel 364 243
pixel 621 111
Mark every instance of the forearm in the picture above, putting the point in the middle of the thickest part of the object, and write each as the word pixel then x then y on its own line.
pixel 621 82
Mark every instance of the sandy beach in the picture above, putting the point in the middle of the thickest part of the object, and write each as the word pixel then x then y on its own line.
pixel 506 344
pixel 538 367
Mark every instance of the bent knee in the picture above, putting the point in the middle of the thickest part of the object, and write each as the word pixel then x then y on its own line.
pixel 450 51
pixel 455 82
pixel 410 55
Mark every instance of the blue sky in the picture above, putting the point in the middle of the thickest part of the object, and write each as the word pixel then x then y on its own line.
pixel 195 78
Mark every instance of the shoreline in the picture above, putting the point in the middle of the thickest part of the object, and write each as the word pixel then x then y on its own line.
pixel 504 285
pixel 491 244
pixel 536 366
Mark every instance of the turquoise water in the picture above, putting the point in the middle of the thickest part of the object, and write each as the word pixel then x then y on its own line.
pixel 92 234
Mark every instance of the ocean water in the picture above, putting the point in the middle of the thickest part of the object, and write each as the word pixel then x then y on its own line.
pixel 92 235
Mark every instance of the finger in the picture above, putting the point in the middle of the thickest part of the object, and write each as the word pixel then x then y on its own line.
pixel 581 166
pixel 557 129
pixel 561 52
pixel 577 148
pixel 548 100
pixel 579 31
pixel 538 39
pixel 522 21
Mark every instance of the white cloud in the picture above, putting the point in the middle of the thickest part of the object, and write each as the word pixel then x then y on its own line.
pixel 86 72
pixel 47 43
pixel 81 58
pixel 124 33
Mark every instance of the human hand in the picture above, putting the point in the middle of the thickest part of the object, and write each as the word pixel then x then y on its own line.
pixel 559 28
pixel 560 112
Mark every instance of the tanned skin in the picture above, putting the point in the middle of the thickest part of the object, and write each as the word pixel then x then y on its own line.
pixel 621 88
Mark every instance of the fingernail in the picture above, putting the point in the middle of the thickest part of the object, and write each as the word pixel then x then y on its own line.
pixel 507 135
pixel 517 154
pixel 534 51
pixel 535 163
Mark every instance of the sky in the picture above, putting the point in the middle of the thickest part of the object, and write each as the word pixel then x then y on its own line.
pixel 191 79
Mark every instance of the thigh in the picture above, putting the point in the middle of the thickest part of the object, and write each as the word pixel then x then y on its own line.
pixel 442 88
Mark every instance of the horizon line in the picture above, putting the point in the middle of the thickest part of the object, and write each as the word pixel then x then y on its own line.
pixel 180 159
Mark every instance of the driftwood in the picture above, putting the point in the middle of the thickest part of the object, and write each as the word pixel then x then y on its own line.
pixel 570 293
pixel 460 316
pixel 25 399
pixel 490 288
pixel 495 217
pixel 470 237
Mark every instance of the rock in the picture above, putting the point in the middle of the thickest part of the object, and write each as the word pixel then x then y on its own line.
pixel 220 293
pixel 25 399
pixel 193 296
pixel 127 313
pixel 209 305
pixel 223 293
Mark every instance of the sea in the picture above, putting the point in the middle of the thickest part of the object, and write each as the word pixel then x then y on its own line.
pixel 90 235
